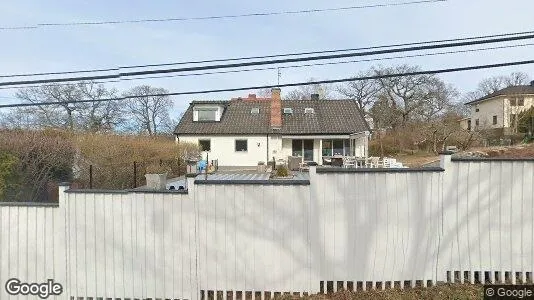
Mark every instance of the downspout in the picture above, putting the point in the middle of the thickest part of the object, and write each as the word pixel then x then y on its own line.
pixel 267 154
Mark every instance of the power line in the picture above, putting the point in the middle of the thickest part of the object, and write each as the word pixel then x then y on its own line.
pixel 299 66
pixel 268 62
pixel 117 69
pixel 415 73
pixel 235 16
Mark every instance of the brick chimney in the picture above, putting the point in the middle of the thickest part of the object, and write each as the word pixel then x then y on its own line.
pixel 251 97
pixel 276 108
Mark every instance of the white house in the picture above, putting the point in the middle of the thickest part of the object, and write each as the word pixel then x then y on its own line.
pixel 243 131
pixel 500 109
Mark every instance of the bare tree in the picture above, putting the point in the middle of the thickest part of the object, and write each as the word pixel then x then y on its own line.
pixel 148 109
pixel 69 113
pixel 325 91
pixel 493 84
pixel 99 116
pixel 414 97
pixel 364 92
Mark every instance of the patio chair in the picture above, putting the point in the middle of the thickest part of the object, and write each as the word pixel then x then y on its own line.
pixel 349 162
pixel 376 162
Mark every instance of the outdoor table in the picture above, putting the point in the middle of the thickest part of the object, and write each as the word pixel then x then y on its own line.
pixel 337 161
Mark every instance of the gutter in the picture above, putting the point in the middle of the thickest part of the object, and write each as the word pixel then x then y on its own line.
pixel 267 154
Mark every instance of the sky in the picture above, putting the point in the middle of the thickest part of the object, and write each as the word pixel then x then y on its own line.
pixel 70 48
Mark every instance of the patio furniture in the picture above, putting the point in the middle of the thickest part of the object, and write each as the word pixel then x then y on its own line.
pixel 304 166
pixel 349 162
pixel 327 161
pixel 294 162
pixel 376 162
pixel 337 161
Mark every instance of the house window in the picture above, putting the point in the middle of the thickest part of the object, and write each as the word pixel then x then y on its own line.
pixel 255 110
pixel 469 125
pixel 520 101
pixel 477 109
pixel 241 146
pixel 207 114
pixel 337 146
pixel 477 122
pixel 327 148
pixel 296 146
pixel 513 102
pixel 205 145
pixel 494 120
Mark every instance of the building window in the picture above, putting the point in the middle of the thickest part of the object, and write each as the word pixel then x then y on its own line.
pixel 513 102
pixel 327 148
pixel 520 101
pixel 207 114
pixel 469 125
pixel 241 146
pixel 296 146
pixel 205 145
pixel 494 120
pixel 477 122
pixel 477 109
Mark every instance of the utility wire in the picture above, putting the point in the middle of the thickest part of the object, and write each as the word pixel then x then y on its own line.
pixel 302 66
pixel 235 16
pixel 415 73
pixel 117 69
pixel 268 62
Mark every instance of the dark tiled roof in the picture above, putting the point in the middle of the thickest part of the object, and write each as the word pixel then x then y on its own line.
pixel 511 90
pixel 330 117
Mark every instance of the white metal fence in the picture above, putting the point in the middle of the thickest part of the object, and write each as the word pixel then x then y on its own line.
pixel 471 221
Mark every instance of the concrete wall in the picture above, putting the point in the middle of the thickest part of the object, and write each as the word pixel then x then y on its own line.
pixel 353 226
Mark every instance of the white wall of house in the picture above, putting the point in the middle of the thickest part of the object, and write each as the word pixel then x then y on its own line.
pixel 223 149
pixel 280 147
pixel 499 107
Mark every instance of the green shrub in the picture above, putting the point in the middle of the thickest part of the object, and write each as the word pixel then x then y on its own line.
pixel 8 174
pixel 282 171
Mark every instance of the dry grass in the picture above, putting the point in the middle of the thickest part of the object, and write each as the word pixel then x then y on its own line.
pixel 112 157
pixel 439 292
pixel 417 159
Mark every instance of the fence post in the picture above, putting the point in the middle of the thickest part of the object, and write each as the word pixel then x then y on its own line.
pixel 90 176
pixel 135 174
pixel 207 165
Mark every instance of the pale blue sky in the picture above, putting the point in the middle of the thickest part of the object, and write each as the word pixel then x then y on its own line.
pixel 86 47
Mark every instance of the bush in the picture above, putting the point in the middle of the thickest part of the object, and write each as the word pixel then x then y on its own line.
pixel 8 163
pixel 42 157
pixel 282 171
pixel 112 157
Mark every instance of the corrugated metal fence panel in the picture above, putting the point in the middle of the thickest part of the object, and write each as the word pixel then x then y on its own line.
pixel 32 245
pixel 378 226
pixel 130 245
pixel 488 220
pixel 473 222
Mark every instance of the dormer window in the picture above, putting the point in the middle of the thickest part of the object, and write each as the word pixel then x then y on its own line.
pixel 206 114
pixel 309 110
